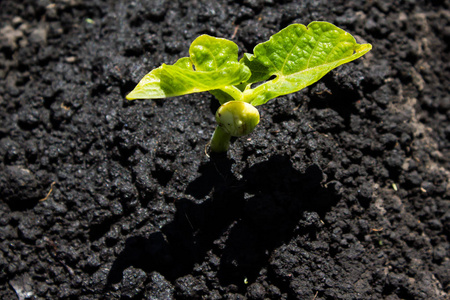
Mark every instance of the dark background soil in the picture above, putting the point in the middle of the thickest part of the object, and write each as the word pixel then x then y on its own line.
pixel 340 193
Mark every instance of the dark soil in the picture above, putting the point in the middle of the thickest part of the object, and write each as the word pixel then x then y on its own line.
pixel 342 191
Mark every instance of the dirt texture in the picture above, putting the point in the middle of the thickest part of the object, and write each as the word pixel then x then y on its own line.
pixel 341 192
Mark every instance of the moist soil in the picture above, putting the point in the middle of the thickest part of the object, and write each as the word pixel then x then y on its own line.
pixel 341 192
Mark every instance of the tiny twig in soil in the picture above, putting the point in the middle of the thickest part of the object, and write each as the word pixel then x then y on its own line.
pixel 315 296
pixel 49 192
pixel 235 31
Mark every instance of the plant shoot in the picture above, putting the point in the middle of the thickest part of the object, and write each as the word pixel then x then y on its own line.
pixel 294 58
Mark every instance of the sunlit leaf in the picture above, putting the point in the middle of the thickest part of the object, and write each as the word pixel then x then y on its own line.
pixel 212 65
pixel 298 56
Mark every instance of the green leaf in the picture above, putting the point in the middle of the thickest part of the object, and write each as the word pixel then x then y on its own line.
pixel 212 65
pixel 210 53
pixel 298 56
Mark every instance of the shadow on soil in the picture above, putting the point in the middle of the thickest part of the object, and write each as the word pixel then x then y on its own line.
pixel 242 221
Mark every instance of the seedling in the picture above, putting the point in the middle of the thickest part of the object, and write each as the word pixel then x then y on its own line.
pixel 290 60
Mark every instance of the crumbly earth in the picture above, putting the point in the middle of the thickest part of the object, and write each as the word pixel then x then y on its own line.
pixel 341 192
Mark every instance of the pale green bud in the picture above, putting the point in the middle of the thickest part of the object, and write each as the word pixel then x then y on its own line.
pixel 237 118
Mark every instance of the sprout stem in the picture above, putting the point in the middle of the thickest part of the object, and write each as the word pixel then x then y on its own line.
pixel 220 140
pixel 233 92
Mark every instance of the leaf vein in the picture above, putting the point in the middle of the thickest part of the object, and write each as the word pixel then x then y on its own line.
pixel 292 49
pixel 314 49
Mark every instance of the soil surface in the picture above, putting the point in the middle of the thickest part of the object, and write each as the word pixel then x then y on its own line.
pixel 341 192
